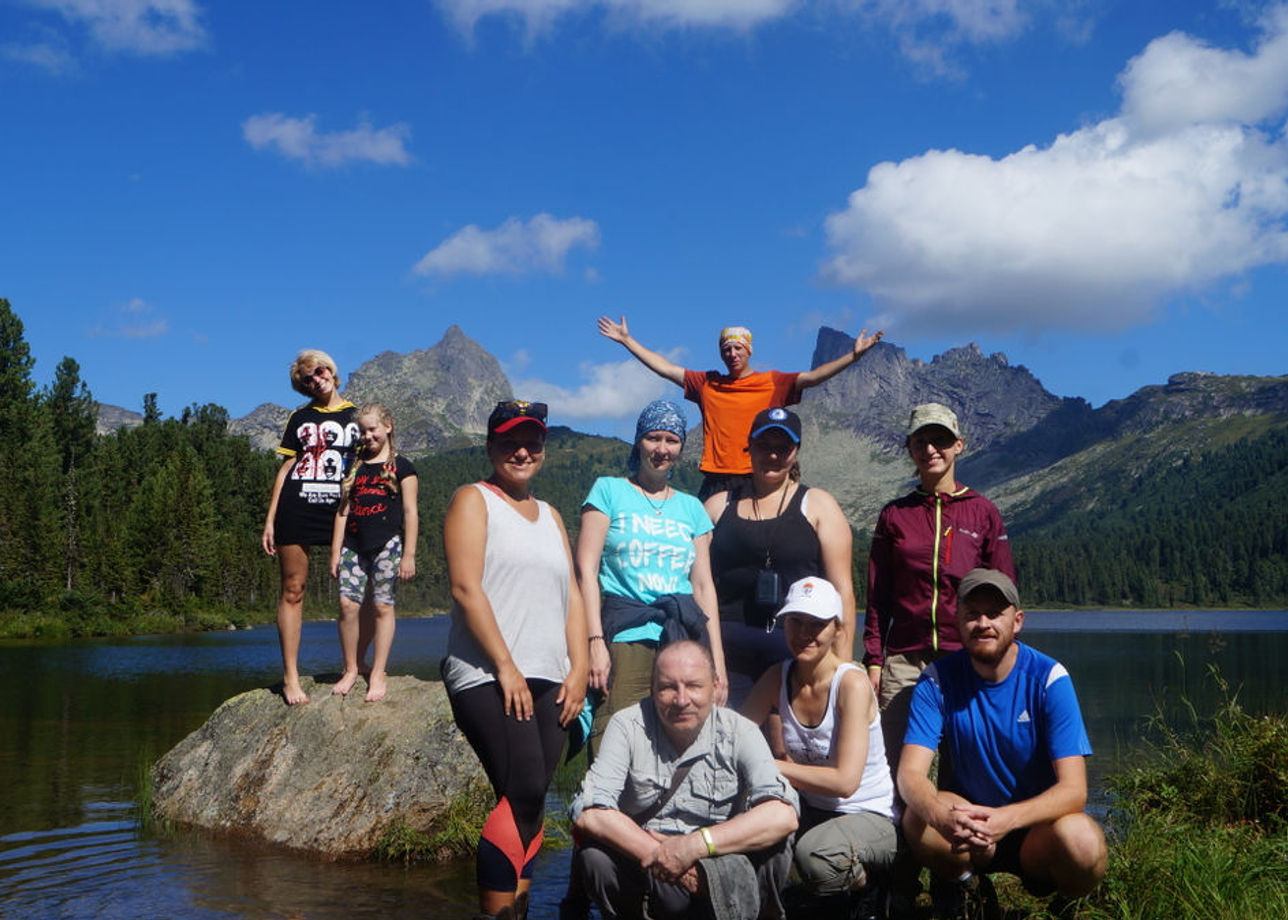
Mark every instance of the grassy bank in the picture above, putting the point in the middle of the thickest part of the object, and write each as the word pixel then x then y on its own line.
pixel 77 619
pixel 1197 825
pixel 73 619
pixel 1199 828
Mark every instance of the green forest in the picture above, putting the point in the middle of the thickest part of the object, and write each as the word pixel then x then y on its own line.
pixel 157 528
pixel 1210 531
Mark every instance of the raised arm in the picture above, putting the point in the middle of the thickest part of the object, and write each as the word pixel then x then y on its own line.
pixel 618 332
pixel 464 544
pixel 824 372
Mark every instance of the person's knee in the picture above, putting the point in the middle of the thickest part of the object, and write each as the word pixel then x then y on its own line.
pixel 1083 844
pixel 831 858
pixel 1071 852
pixel 592 864
pixel 293 592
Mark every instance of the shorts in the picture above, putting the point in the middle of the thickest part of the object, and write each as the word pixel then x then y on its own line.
pixel 1006 858
pixel 377 571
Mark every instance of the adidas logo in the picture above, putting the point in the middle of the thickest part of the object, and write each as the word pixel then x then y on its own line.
pixel 1024 717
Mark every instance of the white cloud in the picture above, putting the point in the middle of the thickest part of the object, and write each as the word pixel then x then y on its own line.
pixel 612 391
pixel 299 139
pixel 540 245
pixel 149 27
pixel 48 56
pixel 929 31
pixel 1185 188
pixel 539 15
pixel 138 320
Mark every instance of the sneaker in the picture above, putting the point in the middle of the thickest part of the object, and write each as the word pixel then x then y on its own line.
pixel 971 899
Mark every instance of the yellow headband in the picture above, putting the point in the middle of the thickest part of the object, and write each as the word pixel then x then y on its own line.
pixel 736 334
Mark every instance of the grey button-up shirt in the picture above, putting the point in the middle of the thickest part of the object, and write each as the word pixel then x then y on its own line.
pixel 733 770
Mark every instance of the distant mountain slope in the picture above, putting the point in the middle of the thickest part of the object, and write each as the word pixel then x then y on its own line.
pixel 1200 523
pixel 1171 495
pixel 110 418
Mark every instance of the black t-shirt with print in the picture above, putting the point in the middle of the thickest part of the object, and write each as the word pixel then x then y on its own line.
pixel 375 510
pixel 322 442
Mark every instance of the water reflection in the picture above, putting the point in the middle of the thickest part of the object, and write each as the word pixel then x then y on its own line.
pixel 82 720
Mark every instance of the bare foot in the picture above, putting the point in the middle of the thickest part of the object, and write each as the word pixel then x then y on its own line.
pixel 345 684
pixel 294 693
pixel 377 687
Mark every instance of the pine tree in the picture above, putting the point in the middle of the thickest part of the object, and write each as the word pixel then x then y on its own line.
pixel 73 411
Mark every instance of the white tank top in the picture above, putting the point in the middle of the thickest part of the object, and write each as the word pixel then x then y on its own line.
pixel 814 746
pixel 526 579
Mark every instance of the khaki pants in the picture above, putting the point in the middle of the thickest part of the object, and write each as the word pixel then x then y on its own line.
pixel 899 675
pixel 631 672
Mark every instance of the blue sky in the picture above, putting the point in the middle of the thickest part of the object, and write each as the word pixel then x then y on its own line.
pixel 192 191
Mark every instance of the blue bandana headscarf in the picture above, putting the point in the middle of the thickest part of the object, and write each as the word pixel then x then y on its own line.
pixel 659 415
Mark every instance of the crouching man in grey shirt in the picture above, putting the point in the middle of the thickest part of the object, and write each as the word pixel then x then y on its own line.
pixel 682 803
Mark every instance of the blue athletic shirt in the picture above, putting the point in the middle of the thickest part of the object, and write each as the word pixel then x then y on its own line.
pixel 1002 737
pixel 648 551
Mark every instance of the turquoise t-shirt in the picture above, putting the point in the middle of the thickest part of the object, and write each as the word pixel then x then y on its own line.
pixel 648 551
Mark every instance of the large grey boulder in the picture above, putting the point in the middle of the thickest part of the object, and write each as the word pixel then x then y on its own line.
pixel 328 777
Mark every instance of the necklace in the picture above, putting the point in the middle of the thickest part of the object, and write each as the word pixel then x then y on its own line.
pixel 656 506
pixel 782 500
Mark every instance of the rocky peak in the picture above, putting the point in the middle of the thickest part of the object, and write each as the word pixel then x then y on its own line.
pixel 1196 394
pixel 992 399
pixel 440 396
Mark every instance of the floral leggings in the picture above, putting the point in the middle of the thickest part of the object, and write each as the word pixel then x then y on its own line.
pixel 380 569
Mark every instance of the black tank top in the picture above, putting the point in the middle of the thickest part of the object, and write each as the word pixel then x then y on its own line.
pixel 738 555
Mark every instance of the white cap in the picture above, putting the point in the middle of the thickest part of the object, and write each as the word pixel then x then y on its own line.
pixel 812 596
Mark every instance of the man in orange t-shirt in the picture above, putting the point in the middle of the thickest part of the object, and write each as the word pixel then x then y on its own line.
pixel 730 401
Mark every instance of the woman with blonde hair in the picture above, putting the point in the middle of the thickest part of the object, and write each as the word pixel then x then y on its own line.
pixel 317 447
pixel 373 547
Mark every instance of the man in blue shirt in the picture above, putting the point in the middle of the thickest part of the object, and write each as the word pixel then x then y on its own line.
pixel 1015 738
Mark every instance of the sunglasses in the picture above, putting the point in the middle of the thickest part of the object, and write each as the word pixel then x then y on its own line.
pixel 940 440
pixel 320 371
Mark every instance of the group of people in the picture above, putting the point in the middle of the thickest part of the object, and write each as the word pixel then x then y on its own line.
pixel 705 645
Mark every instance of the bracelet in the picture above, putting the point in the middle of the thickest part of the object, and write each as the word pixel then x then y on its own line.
pixel 706 838
pixel 599 637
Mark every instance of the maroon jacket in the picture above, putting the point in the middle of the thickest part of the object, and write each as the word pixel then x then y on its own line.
pixel 922 546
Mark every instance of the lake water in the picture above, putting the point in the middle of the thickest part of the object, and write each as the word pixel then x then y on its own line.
pixel 81 722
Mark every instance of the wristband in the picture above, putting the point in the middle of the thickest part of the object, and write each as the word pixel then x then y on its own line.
pixel 599 637
pixel 706 838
